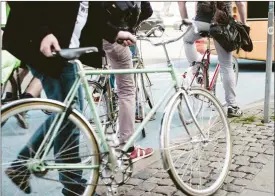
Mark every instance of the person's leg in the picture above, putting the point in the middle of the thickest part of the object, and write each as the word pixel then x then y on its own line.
pixel 34 89
pixel 225 61
pixel 192 34
pixel 120 58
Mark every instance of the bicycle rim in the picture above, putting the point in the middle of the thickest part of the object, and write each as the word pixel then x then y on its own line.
pixel 197 165
pixel 76 144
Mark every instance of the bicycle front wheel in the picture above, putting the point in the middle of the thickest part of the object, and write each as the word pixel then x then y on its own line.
pixel 197 161
pixel 74 147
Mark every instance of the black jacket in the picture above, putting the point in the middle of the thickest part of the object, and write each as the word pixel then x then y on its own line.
pixel 30 22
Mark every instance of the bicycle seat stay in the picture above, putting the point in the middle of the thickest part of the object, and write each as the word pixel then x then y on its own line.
pixel 74 53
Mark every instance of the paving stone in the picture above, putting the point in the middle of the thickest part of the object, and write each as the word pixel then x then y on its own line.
pixel 154 180
pixel 259 159
pixel 250 154
pixel 179 193
pixel 165 182
pixel 134 181
pixel 143 175
pixel 166 190
pixel 135 192
pixel 237 174
pixel 239 149
pixel 249 139
pixel 216 159
pixel 255 149
pixel 261 137
pixel 267 142
pixel 233 194
pixel 152 171
pixel 233 167
pixel 241 158
pixel 198 181
pixel 215 165
pixel 241 182
pixel 157 165
pixel 269 157
pixel 249 170
pixel 220 192
pixel 125 189
pixel 228 179
pixel 233 188
pixel 269 151
pixel 197 174
pixel 240 142
pixel 161 175
pixel 147 186
pixel 257 165
pixel 253 144
pixel 249 177
pixel 152 194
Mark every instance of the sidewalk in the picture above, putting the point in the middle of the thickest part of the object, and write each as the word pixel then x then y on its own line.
pixel 251 173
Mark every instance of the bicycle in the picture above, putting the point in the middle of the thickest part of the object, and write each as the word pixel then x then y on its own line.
pixel 114 165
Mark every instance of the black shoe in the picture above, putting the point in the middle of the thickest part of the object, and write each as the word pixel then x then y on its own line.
pixel 234 111
pixel 26 96
pixel 19 175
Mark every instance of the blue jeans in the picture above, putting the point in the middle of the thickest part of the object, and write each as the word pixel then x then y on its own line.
pixel 57 89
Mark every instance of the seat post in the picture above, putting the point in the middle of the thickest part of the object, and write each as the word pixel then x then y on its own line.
pixel 208 43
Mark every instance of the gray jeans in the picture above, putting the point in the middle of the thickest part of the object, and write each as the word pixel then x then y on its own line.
pixel 224 57
pixel 120 57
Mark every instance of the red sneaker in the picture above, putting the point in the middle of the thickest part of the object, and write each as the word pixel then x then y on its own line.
pixel 141 153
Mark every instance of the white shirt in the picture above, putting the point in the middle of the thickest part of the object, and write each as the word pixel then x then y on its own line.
pixel 80 23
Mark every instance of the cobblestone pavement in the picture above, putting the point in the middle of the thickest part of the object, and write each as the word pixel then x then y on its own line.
pixel 253 148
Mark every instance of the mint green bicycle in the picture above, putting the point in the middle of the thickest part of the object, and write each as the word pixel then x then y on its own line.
pixel 197 156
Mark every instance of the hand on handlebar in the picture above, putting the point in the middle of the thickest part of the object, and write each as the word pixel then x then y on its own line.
pixel 185 22
pixel 125 38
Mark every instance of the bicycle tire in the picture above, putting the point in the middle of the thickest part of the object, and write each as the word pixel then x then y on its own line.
pixel 48 177
pixel 171 167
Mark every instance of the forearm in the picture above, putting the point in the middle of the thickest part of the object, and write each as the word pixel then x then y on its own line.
pixel 242 11
pixel 182 9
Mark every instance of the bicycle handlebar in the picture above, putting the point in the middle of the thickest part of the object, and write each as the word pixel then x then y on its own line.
pixel 162 42
pixel 147 34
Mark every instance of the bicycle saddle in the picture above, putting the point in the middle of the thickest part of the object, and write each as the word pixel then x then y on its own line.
pixel 205 34
pixel 74 53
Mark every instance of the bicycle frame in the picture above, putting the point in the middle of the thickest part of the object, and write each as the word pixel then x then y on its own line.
pixel 209 86
pixel 59 118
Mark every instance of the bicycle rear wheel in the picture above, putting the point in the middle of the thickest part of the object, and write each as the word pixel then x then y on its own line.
pixel 74 144
pixel 197 162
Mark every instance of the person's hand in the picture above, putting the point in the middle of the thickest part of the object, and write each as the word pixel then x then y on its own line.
pixel 48 44
pixel 128 38
pixel 185 22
